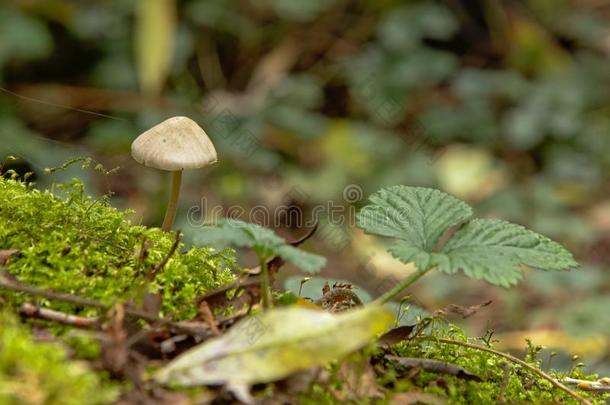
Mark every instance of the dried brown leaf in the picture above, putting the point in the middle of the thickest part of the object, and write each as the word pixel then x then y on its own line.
pixel 396 335
pixel 464 312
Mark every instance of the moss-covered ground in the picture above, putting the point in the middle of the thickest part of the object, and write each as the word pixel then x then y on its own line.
pixel 42 373
pixel 501 382
pixel 71 243
pixel 80 245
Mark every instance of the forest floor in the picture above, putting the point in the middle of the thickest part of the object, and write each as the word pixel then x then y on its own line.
pixel 92 305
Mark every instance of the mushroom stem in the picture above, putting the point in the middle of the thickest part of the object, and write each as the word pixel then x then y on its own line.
pixel 170 213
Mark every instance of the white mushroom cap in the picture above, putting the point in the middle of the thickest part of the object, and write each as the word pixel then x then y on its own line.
pixel 175 144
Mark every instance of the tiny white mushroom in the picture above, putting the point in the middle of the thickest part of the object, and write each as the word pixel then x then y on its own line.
pixel 176 144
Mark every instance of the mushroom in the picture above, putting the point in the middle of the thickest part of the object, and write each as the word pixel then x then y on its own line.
pixel 176 144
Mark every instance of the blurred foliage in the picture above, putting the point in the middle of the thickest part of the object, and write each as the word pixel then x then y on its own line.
pixel 504 104
pixel 36 372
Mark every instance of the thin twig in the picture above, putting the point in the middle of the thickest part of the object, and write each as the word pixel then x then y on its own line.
pixel 435 366
pixel 186 327
pixel 142 255
pixel 596 386
pixel 160 266
pixel 33 311
pixel 8 284
pixel 522 363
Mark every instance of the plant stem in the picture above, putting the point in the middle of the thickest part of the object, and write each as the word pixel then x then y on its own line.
pixel 12 285
pixel 522 363
pixel 170 213
pixel 265 288
pixel 413 277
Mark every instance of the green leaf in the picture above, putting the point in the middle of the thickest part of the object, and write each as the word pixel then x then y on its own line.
pixel 296 9
pixel 305 261
pixel 237 233
pixel 23 37
pixel 262 240
pixel 275 344
pixel 405 27
pixel 417 216
pixel 409 254
pixel 494 250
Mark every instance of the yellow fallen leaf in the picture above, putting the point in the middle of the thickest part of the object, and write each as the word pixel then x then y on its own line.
pixel 154 42
pixel 273 345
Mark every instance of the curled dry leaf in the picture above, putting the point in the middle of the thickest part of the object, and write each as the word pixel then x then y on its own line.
pixel 396 335
pixel 464 312
pixel 272 345
pixel 338 299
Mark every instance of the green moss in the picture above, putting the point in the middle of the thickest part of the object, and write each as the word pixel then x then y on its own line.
pixel 522 386
pixel 80 245
pixel 40 373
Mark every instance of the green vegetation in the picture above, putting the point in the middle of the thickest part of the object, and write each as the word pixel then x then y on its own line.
pixel 493 111
pixel 40 373
pixel 503 104
pixel 418 217
pixel 486 378
pixel 488 249
pixel 264 242
pixel 80 245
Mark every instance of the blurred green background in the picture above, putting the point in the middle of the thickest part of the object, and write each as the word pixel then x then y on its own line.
pixel 505 104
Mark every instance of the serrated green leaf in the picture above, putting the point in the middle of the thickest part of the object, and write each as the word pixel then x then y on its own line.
pixel 238 233
pixel 211 235
pixel 305 261
pixel 261 236
pixel 410 254
pixel 416 215
pixel 494 250
pixel 275 344
pixel 264 241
